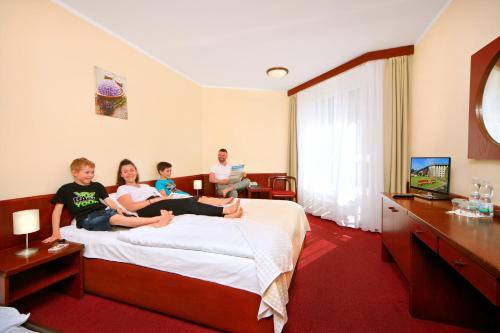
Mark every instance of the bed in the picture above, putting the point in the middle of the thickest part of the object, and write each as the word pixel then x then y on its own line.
pixel 220 285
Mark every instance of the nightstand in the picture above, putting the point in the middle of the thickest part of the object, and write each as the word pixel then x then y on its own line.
pixel 266 192
pixel 20 277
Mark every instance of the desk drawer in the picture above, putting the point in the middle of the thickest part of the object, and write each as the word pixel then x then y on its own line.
pixel 471 271
pixel 424 234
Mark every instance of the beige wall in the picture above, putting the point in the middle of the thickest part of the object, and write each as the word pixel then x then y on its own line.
pixel 47 116
pixel 440 89
pixel 252 125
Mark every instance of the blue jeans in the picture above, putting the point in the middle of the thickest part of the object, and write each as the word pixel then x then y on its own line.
pixel 98 220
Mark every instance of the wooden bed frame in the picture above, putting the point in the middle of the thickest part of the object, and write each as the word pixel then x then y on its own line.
pixel 206 303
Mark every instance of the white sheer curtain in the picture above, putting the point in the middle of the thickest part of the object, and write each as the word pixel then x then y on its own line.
pixel 339 139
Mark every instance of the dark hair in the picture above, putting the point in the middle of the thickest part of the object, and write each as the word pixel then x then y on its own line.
pixel 162 166
pixel 119 178
pixel 223 150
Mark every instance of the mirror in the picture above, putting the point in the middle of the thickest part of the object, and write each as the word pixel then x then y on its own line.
pixel 484 102
pixel 489 103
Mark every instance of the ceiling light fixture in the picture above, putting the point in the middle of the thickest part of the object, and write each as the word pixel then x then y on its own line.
pixel 277 72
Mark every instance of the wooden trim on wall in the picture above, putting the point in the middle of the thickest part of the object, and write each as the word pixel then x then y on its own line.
pixel 373 55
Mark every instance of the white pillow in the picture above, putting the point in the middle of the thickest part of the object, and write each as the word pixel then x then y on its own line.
pixel 10 317
pixel 114 197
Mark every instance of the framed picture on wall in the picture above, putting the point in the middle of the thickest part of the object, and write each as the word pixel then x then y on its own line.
pixel 110 94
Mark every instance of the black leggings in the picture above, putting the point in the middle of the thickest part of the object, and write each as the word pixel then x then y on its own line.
pixel 180 207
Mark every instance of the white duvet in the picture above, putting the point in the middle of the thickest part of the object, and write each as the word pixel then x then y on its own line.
pixel 271 243
pixel 202 233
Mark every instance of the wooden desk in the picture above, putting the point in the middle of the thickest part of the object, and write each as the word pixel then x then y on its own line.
pixel 452 263
pixel 20 277
pixel 265 190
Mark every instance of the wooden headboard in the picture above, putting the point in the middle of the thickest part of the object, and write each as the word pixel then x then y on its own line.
pixel 42 202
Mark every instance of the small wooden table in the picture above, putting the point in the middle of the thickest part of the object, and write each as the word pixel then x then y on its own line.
pixel 20 277
pixel 259 189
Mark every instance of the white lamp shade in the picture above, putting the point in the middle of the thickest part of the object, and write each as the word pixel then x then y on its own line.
pixel 197 185
pixel 26 221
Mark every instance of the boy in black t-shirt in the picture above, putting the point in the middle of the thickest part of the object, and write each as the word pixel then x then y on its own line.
pixel 82 197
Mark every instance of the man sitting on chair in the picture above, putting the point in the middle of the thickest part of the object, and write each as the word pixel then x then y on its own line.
pixel 227 181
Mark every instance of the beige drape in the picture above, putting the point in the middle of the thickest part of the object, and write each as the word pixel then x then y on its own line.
pixel 396 112
pixel 292 140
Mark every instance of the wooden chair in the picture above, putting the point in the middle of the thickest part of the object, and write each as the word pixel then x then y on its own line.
pixel 283 187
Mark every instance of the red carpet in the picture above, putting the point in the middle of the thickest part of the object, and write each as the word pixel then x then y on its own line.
pixel 340 285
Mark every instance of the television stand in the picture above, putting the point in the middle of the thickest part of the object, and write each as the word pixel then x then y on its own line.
pixel 432 196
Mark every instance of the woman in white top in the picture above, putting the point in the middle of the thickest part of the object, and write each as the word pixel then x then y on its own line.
pixel 146 201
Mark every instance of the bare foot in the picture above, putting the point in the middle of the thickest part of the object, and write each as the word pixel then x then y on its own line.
pixel 226 201
pixel 233 202
pixel 230 209
pixel 165 218
pixel 235 215
pixel 236 202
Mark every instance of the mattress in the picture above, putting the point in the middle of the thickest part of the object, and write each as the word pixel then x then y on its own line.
pixel 233 271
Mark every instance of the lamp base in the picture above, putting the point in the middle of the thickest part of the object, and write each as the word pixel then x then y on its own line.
pixel 26 252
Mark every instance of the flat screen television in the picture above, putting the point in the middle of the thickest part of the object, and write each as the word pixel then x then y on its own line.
pixel 431 175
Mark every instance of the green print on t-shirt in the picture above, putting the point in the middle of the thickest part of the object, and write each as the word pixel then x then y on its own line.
pixel 83 199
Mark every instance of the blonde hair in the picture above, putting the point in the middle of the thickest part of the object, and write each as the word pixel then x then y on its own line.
pixel 79 163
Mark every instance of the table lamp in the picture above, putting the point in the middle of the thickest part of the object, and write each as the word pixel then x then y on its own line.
pixel 25 222
pixel 197 185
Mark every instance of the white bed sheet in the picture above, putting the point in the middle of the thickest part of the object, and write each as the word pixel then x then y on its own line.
pixel 205 266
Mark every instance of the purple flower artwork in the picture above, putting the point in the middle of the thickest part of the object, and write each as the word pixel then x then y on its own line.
pixel 110 94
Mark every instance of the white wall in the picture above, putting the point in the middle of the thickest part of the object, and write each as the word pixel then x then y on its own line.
pixel 440 89
pixel 252 125
pixel 47 112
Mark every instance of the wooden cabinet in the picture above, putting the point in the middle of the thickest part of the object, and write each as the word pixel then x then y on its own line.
pixel 396 235
pixel 470 270
pixel 387 223
pixel 20 277
pixel 452 263
pixel 422 232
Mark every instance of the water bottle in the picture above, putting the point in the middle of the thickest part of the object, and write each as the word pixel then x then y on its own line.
pixel 475 197
pixel 486 199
